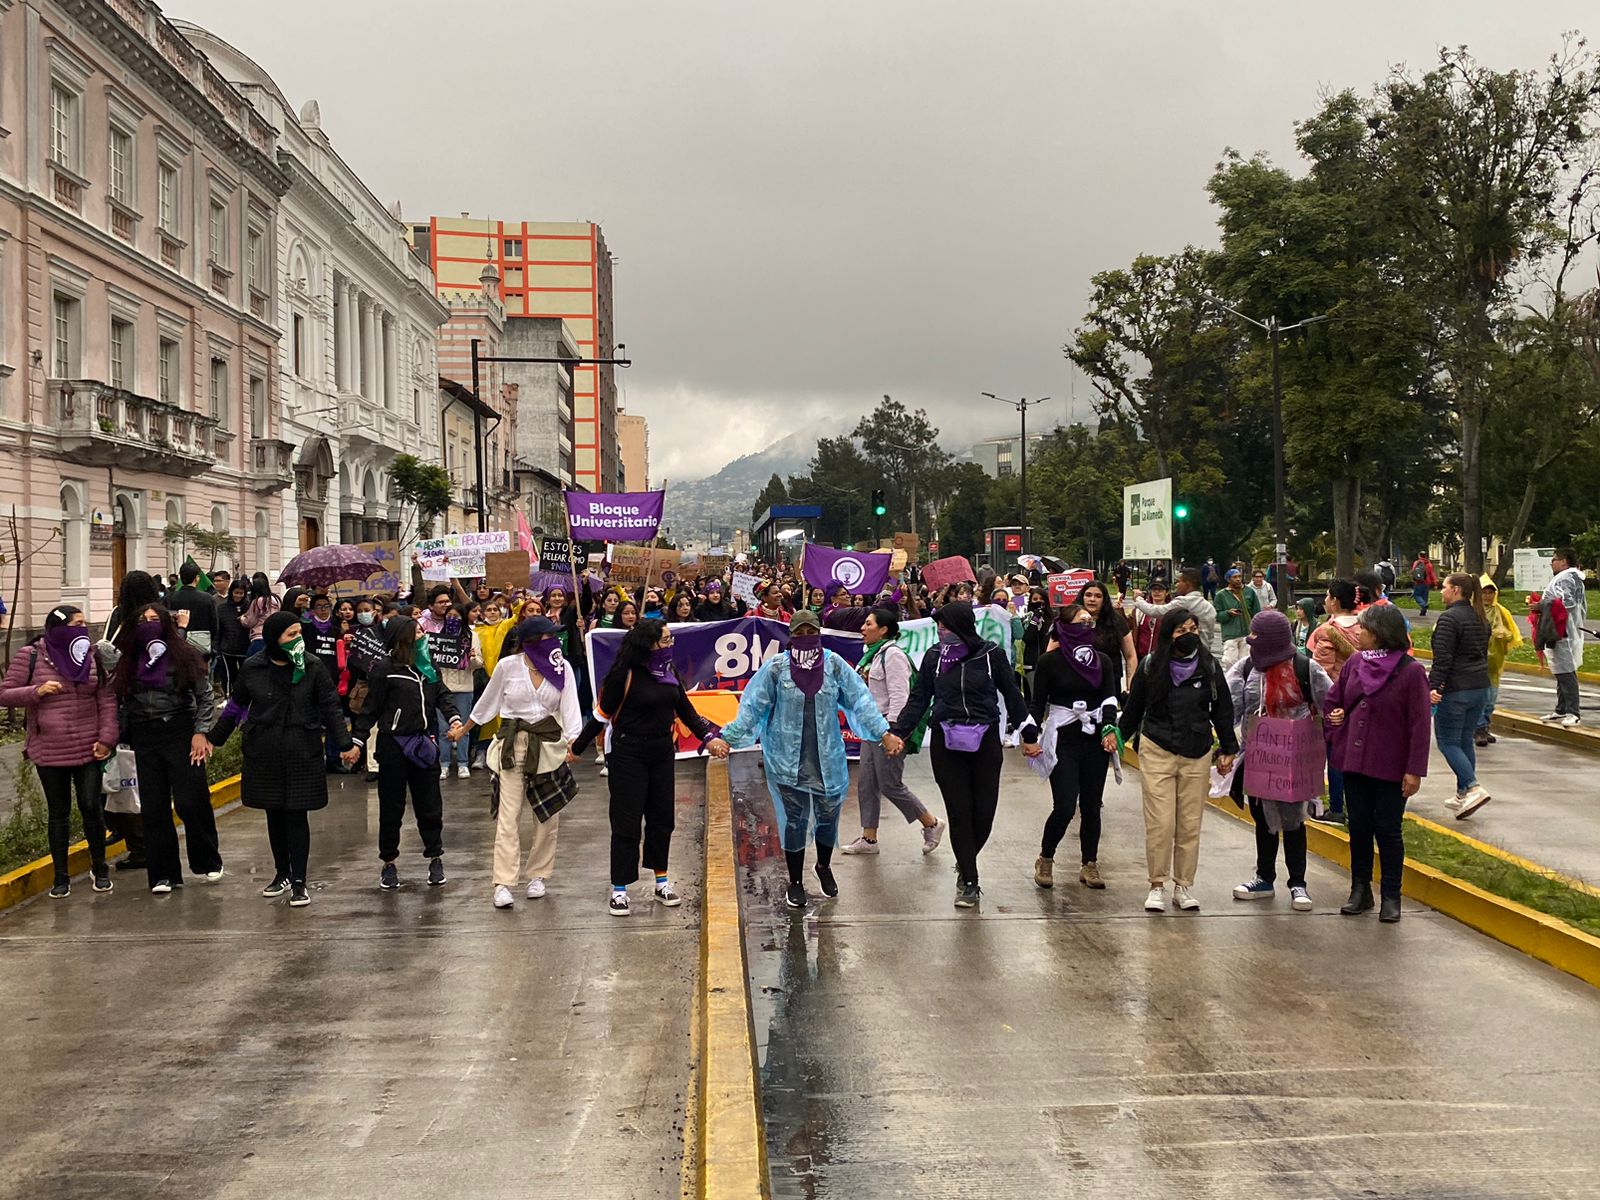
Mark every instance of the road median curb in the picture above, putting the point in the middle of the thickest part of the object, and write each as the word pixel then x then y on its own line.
pixel 1575 736
pixel 39 876
pixel 729 1142
pixel 1520 668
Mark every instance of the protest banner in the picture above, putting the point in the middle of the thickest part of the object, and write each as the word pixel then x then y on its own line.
pixel 1065 586
pixel 942 572
pixel 614 517
pixel 863 573
pixel 744 587
pixel 386 581
pixel 714 566
pixel 555 554
pixel 716 659
pixel 458 555
pixel 1284 759
pixel 506 568
pixel 907 542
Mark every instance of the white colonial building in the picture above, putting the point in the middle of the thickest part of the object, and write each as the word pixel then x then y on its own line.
pixel 358 377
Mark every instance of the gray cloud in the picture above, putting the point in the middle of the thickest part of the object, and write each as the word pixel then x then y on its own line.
pixel 816 204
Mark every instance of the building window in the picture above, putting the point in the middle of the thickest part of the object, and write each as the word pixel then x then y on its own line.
pixel 74 537
pixel 167 187
pixel 513 248
pixel 66 312
pixel 252 259
pixel 219 391
pixel 121 354
pixel 217 233
pixel 298 345
pixel 169 381
pixel 416 405
pixel 258 407
pixel 64 140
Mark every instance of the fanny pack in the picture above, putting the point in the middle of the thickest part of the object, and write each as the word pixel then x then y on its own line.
pixel 959 736
pixel 420 748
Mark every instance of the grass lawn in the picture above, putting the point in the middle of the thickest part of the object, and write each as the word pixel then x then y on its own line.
pixel 1516 602
pixel 1422 638
pixel 1536 891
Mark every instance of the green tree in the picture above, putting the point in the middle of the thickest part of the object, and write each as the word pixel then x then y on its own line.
pixel 962 518
pixel 773 493
pixel 902 449
pixel 835 481
pixel 213 543
pixel 425 487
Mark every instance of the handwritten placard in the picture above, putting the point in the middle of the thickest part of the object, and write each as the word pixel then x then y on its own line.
pixel 1284 760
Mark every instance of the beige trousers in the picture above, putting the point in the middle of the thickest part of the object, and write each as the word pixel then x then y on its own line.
pixel 1175 791
pixel 508 832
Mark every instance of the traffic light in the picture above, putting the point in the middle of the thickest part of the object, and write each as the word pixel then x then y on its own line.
pixel 879 508
pixel 1181 512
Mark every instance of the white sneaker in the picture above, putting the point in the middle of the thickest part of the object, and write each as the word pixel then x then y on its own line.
pixel 1156 901
pixel 860 846
pixel 535 889
pixel 1182 898
pixel 463 771
pixel 1300 899
pixel 1552 717
pixel 604 771
pixel 444 771
pixel 1571 719
pixel 1475 799
pixel 1454 802
pixel 502 896
pixel 618 905
pixel 600 757
pixel 214 876
pixel 932 835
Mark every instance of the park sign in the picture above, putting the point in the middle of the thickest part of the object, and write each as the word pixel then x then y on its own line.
pixel 1530 568
pixel 1147 519
pixel 614 516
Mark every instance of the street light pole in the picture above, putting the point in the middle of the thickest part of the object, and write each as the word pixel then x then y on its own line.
pixel 1022 407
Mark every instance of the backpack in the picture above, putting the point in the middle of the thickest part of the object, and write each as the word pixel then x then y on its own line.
pixel 1386 573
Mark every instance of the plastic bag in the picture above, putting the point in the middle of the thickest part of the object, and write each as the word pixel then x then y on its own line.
pixel 1222 785
pixel 120 782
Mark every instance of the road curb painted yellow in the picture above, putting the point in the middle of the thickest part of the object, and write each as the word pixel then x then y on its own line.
pixel 39 875
pixel 1506 856
pixel 1520 668
pixel 730 1148
pixel 1575 736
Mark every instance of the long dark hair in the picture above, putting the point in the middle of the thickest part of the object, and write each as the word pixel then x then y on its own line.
pixel 401 634
pixel 260 587
pixel 635 650
pixel 1108 616
pixel 1160 659
pixel 188 668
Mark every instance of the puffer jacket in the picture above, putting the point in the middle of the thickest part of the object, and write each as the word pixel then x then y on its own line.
pixel 63 728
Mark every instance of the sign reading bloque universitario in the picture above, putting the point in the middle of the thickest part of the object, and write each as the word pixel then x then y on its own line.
pixel 614 517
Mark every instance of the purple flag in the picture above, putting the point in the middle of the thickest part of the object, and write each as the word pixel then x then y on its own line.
pixel 863 574
pixel 614 517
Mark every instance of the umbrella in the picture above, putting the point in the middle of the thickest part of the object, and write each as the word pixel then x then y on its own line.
pixel 328 565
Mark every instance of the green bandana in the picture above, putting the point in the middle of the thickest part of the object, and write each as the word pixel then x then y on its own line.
pixel 424 662
pixel 296 651
pixel 872 653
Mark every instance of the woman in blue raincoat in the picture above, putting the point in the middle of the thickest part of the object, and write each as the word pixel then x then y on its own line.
pixel 791 707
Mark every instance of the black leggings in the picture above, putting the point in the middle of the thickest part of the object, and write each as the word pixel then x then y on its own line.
pixel 167 781
pixel 397 775
pixel 642 775
pixel 1294 848
pixel 1078 784
pixel 289 831
pixel 969 781
pixel 1375 809
pixel 58 784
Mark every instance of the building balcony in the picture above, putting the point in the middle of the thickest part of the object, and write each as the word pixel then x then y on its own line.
pixel 368 425
pixel 271 464
pixel 102 426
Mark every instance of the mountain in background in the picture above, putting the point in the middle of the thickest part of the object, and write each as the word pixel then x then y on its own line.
pixel 724 499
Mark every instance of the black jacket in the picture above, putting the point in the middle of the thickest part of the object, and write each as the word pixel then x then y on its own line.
pixel 400 702
pixel 1460 650
pixel 1056 681
pixel 969 693
pixel 643 708
pixel 283 732
pixel 231 635
pixel 1183 721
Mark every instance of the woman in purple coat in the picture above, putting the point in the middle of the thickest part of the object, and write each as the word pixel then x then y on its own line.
pixel 72 729
pixel 1380 713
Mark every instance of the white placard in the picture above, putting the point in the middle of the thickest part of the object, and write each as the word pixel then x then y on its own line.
pixel 1530 568
pixel 459 555
pixel 1147 519
pixel 744 587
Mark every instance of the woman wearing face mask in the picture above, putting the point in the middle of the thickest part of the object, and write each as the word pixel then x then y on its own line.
pixel 966 680
pixel 1112 634
pixel 404 703
pixel 169 708
pixel 1075 699
pixel 888 671
pixel 641 697
pixel 287 704
pixel 71 729
pixel 652 606
pixel 1036 623
pixel 233 640
pixel 535 699
pixel 1178 700
pixel 457 653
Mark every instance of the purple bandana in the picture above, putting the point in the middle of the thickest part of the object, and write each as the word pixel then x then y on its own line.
pixel 805 662
pixel 1373 668
pixel 152 651
pixel 319 625
pixel 1181 670
pixel 952 652
pixel 661 666
pixel 1077 646
pixel 545 655
pixel 68 648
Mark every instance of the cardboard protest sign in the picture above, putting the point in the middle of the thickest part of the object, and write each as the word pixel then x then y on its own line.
pixel 744 587
pixel 907 542
pixel 713 566
pixel 506 568
pixel 555 554
pixel 386 580
pixel 458 555
pixel 897 561
pixel 630 565
pixel 1284 760
pixel 1065 587
pixel 943 572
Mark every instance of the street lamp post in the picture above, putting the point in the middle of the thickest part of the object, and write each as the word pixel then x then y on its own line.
pixel 1022 407
pixel 1275 330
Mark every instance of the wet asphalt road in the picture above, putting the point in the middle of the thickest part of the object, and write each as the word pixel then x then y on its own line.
pixel 374 1044
pixel 1065 1043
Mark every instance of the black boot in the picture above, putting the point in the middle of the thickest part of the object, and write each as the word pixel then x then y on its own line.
pixel 1389 911
pixel 1360 900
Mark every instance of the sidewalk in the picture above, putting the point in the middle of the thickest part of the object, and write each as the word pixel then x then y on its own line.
pixel 1065 1043
pixel 373 1045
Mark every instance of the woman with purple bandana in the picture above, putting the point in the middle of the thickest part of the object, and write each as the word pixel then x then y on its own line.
pixel 72 729
pixel 1380 713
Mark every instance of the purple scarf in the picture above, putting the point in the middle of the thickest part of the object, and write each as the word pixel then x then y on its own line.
pixel 319 626
pixel 1181 670
pixel 1373 668
pixel 1077 647
pixel 545 655
pixel 152 651
pixel 68 648
pixel 805 662
pixel 952 652
pixel 661 666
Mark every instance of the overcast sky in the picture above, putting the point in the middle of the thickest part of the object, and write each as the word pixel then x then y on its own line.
pixel 814 204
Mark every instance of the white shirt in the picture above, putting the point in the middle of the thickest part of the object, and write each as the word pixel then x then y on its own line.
pixel 512 693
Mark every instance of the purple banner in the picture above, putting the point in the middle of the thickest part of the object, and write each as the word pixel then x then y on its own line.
pixel 614 517
pixel 864 574
pixel 718 655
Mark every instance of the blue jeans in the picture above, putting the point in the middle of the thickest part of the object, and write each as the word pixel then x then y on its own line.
pixel 1335 784
pixel 806 816
pixel 1488 705
pixel 455 753
pixel 1454 722
pixel 1420 595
